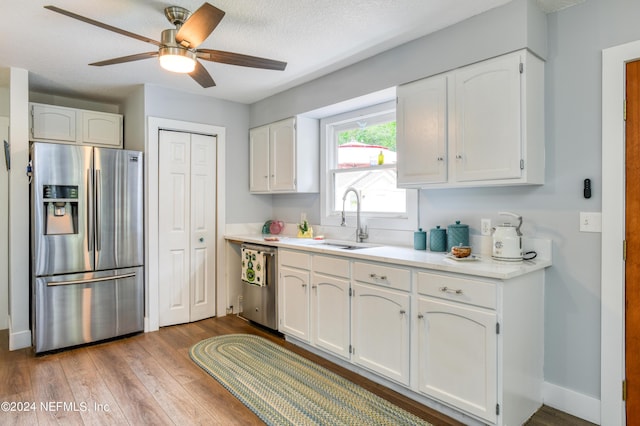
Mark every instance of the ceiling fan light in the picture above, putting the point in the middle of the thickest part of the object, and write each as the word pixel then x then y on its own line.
pixel 176 59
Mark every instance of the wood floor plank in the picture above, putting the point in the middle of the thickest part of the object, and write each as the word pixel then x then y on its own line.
pixel 87 385
pixel 163 387
pixel 150 379
pixel 23 413
pixel 135 401
pixel 52 393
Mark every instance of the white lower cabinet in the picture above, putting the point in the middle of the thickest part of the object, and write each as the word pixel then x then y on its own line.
pixel 330 305
pixel 440 335
pixel 380 327
pixel 293 294
pixel 457 355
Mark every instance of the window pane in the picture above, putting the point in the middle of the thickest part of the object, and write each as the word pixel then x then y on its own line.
pixel 378 190
pixel 367 145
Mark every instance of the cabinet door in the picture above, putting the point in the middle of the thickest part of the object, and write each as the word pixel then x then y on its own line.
pixel 293 288
pixel 380 327
pixel 330 314
pixel 53 123
pixel 259 159
pixel 422 132
pixel 282 155
pixel 457 356
pixel 100 128
pixel 488 140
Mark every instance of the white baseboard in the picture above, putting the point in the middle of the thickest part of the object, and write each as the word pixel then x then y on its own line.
pixel 19 340
pixel 577 404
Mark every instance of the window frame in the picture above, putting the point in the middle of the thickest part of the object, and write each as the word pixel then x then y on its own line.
pixel 330 214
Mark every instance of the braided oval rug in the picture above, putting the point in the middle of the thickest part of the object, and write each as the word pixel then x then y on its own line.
pixel 283 388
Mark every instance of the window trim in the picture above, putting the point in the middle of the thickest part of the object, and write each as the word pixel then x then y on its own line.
pixel 328 128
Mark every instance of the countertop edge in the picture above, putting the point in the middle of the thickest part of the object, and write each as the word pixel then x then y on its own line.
pixel 484 267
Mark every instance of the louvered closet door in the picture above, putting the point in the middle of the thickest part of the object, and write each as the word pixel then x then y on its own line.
pixel 186 219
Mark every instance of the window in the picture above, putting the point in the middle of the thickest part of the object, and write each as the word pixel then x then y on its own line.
pixel 360 153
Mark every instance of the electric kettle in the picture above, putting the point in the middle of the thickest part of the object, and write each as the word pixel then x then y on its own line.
pixel 507 240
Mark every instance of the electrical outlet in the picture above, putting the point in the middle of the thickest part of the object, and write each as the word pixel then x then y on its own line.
pixel 485 226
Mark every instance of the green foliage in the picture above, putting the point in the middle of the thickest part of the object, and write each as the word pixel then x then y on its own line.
pixel 380 134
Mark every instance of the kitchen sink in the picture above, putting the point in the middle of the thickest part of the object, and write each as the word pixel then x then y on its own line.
pixel 344 245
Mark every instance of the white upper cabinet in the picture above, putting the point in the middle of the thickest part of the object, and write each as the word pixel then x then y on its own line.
pixel 422 128
pixel 51 123
pixel 284 156
pixel 100 128
pixel 479 125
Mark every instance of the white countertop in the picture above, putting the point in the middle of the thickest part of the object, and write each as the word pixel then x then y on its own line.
pixel 484 266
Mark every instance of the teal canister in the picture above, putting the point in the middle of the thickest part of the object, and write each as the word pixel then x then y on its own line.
pixel 420 240
pixel 458 235
pixel 438 239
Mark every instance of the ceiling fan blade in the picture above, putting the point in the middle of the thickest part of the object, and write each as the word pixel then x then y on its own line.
pixel 102 25
pixel 241 60
pixel 202 76
pixel 199 25
pixel 123 59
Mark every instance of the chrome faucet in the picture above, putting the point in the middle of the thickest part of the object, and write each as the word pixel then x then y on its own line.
pixel 361 234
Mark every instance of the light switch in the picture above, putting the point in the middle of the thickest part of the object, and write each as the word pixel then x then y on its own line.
pixel 590 222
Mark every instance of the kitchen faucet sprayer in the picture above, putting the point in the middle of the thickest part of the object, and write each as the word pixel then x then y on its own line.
pixel 361 234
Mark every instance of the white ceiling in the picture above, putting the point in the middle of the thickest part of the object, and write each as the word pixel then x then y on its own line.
pixel 314 37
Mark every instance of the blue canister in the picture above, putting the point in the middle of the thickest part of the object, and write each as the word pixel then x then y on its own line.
pixel 420 240
pixel 458 235
pixel 438 239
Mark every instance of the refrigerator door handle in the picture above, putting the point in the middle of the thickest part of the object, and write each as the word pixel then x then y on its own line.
pixel 89 211
pixel 98 181
pixel 92 280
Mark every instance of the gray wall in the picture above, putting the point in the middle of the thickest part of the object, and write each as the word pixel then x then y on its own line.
pixel 575 37
pixel 241 207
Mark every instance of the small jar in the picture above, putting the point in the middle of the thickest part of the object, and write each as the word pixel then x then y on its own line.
pixel 420 240
pixel 438 239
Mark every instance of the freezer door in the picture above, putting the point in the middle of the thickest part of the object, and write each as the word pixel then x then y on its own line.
pixel 74 309
pixel 119 208
pixel 61 190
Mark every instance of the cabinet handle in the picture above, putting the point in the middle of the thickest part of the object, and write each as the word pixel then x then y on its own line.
pixel 314 286
pixel 304 285
pixel 402 312
pixel 459 156
pixel 440 158
pixel 420 316
pixel 450 290
pixel 374 276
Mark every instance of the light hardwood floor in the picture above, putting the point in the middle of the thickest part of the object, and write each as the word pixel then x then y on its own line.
pixel 149 379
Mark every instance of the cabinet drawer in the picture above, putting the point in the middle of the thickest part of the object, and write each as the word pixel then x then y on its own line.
pixel 295 259
pixel 381 275
pixel 457 289
pixel 331 266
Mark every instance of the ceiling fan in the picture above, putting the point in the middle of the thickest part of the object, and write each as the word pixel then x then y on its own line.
pixel 177 49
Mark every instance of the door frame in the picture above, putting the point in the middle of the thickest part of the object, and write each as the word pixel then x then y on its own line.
pixel 612 367
pixel 154 125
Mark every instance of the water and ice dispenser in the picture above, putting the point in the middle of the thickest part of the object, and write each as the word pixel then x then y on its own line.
pixel 61 209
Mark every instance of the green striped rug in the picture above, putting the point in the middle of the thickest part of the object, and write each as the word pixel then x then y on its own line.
pixel 283 388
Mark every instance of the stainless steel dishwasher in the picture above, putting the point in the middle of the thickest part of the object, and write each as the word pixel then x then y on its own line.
pixel 259 303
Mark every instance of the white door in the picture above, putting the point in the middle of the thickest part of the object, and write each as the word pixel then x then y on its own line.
pixel 457 356
pixel 293 291
pixel 282 152
pixel 330 313
pixel 422 132
pixel 186 222
pixel 488 140
pixel 4 228
pixel 380 325
pixel 259 159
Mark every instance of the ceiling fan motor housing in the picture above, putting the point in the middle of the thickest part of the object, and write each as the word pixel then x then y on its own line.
pixel 177 15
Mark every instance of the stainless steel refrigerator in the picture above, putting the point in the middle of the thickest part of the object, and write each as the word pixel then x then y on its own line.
pixel 86 244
